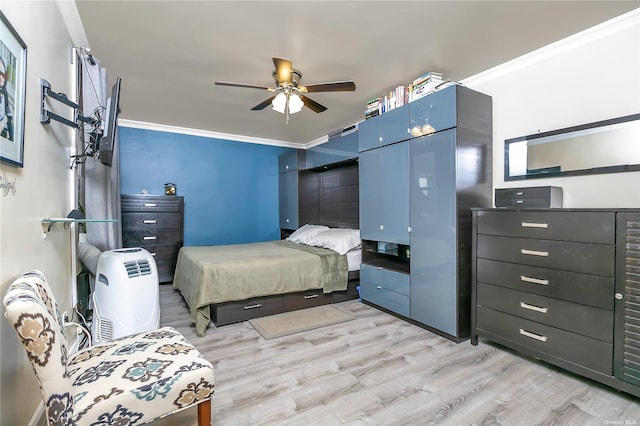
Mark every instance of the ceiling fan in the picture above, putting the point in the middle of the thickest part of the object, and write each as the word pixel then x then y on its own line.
pixel 289 95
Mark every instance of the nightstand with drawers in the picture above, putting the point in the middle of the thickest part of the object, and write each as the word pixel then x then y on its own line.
pixel 155 223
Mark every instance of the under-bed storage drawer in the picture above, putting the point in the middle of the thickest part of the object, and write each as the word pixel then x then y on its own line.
pixel 585 351
pixel 230 312
pixel 305 299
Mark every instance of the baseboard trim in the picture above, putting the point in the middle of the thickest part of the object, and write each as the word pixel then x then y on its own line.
pixel 37 418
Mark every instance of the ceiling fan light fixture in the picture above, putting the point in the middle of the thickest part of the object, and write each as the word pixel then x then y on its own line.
pixel 279 102
pixel 295 103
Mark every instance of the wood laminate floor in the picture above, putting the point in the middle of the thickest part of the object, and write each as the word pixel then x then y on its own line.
pixel 380 370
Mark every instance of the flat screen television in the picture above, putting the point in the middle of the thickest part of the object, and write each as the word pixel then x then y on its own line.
pixel 108 138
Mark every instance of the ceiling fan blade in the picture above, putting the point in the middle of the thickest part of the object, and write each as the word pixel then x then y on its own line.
pixel 284 68
pixel 250 86
pixel 312 105
pixel 338 86
pixel 263 105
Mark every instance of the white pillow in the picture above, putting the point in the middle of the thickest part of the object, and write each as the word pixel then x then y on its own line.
pixel 306 232
pixel 340 240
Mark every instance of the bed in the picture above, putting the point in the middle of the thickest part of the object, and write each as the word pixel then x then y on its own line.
pixel 231 283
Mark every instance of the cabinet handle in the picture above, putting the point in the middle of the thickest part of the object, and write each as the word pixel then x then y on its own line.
pixel 149 238
pixel 534 225
pixel 534 252
pixel 257 305
pixel 533 335
pixel 379 287
pixel 311 296
pixel 150 205
pixel 519 193
pixel 534 280
pixel 381 227
pixel 149 221
pixel 533 308
pixel 519 201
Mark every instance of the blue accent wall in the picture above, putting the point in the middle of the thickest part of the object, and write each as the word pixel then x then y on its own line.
pixel 230 188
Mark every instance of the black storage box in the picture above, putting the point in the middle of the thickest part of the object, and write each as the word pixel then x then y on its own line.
pixel 533 196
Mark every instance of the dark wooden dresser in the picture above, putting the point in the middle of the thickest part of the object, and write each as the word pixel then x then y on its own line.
pixel 155 223
pixel 563 286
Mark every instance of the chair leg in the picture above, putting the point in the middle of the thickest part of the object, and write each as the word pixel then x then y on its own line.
pixel 204 413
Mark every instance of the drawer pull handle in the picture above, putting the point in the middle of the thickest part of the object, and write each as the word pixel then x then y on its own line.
pixel 257 305
pixel 533 335
pixel 311 296
pixel 519 193
pixel 534 252
pixel 153 254
pixel 534 280
pixel 534 225
pixel 149 221
pixel 533 308
pixel 149 238
pixel 150 205
pixel 379 287
pixel 519 201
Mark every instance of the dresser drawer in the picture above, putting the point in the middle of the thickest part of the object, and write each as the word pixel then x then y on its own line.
pixel 151 203
pixel 153 221
pixel 588 227
pixel 534 196
pixel 586 320
pixel 138 238
pixel 592 290
pixel 543 339
pixel 596 259
pixel 388 299
pixel 164 252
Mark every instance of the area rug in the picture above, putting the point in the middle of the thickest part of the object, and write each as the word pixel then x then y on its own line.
pixel 298 321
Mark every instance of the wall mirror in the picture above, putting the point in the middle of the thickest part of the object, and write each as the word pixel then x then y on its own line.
pixel 609 146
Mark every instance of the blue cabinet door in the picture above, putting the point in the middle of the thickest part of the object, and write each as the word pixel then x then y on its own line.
pixel 434 112
pixel 288 200
pixel 370 179
pixel 394 125
pixel 288 161
pixel 395 193
pixel 369 134
pixel 433 231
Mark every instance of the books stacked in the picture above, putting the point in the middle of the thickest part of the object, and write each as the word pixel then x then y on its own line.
pixel 424 85
pixel 374 107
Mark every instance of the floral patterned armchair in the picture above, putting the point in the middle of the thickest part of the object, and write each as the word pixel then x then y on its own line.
pixel 129 381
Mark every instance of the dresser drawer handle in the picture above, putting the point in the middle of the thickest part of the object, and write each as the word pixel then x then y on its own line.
pixel 534 225
pixel 534 280
pixel 534 252
pixel 149 238
pixel 149 221
pixel 150 205
pixel 257 305
pixel 311 296
pixel 519 193
pixel 519 201
pixel 533 335
pixel 153 254
pixel 533 308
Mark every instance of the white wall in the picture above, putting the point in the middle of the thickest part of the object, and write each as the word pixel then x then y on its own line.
pixel 44 188
pixel 591 76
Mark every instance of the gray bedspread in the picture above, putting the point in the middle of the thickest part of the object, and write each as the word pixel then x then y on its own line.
pixel 216 274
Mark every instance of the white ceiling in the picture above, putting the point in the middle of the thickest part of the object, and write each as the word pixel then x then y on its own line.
pixel 169 53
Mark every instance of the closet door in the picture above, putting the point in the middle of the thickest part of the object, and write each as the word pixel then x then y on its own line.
pixel 395 193
pixel 433 231
pixel 370 176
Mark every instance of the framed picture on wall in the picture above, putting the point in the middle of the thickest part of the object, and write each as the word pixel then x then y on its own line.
pixel 13 75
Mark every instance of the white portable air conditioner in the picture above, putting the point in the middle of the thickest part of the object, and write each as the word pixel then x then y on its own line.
pixel 126 298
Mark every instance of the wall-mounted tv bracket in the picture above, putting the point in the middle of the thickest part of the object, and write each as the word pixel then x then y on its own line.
pixel 46 116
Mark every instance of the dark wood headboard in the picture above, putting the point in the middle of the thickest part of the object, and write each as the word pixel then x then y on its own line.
pixel 329 197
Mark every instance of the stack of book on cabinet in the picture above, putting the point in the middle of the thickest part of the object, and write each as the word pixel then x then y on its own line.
pixel 402 95
pixel 424 85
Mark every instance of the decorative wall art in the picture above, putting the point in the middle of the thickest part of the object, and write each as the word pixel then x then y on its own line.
pixel 13 73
